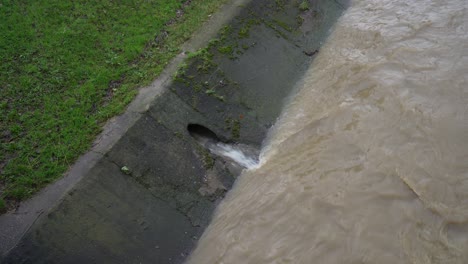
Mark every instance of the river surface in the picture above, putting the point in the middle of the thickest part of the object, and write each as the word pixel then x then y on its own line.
pixel 369 160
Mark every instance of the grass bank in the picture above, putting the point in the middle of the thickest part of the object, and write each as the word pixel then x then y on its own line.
pixel 68 66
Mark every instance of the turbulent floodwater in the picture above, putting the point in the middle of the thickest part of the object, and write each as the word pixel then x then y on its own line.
pixel 369 161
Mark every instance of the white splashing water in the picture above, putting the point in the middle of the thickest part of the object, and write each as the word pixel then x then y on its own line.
pixel 235 153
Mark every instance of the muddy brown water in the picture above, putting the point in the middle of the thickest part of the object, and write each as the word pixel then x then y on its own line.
pixel 369 161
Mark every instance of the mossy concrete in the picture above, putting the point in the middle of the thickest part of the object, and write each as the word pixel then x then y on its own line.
pixel 155 210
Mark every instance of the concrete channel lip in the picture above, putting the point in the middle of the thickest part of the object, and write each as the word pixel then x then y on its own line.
pixel 13 225
pixel 51 208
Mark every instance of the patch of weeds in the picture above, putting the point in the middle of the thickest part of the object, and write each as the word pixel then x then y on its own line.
pixel 210 92
pixel 180 73
pixel 178 134
pixel 279 4
pixel 203 58
pixel 197 87
pixel 228 50
pixel 207 160
pixel 197 54
pixel 243 32
pixel 213 43
pixel 279 33
pixel 234 126
pixel 235 131
pixel 304 6
pixel 2 206
pixel 283 24
pixel 253 21
pixel 205 66
pixel 299 20
pixel 225 32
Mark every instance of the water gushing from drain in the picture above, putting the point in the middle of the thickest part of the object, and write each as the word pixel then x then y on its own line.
pixel 241 154
pixel 236 153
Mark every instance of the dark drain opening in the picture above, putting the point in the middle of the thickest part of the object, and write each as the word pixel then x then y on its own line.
pixel 200 132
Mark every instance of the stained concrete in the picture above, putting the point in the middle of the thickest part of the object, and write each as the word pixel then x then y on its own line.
pixel 155 211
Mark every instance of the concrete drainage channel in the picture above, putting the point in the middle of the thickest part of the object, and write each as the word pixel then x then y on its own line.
pixel 149 198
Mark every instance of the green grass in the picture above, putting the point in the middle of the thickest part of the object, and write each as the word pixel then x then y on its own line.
pixel 68 66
